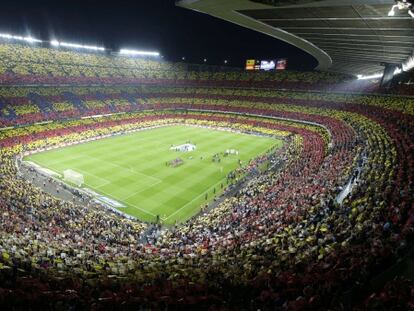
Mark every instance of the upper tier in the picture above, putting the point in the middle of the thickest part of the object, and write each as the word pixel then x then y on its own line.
pixel 21 64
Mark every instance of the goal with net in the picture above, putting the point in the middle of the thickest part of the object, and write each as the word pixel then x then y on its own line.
pixel 73 177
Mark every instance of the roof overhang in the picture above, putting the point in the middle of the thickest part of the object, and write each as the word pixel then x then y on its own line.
pixel 347 36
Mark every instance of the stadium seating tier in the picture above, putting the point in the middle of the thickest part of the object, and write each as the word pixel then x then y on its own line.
pixel 283 241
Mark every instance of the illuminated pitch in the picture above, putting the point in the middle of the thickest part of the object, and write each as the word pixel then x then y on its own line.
pixel 135 169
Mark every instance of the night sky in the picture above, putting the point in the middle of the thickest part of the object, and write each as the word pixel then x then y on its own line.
pixel 146 24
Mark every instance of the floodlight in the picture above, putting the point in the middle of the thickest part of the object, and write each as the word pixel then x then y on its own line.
pixel 397 71
pixel 409 64
pixel 76 46
pixel 81 46
pixel 19 38
pixel 6 36
pixel 370 77
pixel 136 52
pixel 31 39
pixel 402 5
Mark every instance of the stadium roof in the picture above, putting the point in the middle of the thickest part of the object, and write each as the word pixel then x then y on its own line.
pixel 347 36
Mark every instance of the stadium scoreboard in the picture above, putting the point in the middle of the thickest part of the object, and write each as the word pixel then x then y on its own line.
pixel 276 64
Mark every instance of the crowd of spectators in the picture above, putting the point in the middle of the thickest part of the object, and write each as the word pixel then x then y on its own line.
pixel 21 65
pixel 274 228
pixel 30 65
pixel 17 107
pixel 283 241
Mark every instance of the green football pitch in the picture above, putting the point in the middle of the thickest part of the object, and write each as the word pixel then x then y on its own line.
pixel 132 168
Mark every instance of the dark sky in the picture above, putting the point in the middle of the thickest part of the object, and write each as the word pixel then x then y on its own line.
pixel 146 24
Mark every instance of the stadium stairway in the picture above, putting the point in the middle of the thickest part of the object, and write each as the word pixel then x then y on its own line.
pixel 11 114
pixel 132 100
pixel 6 113
pixel 103 97
pixel 41 102
pixel 74 100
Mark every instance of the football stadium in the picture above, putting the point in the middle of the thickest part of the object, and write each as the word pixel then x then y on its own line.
pixel 133 180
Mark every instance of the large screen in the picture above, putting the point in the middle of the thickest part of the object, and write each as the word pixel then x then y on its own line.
pixel 281 64
pixel 278 64
pixel 252 64
pixel 267 65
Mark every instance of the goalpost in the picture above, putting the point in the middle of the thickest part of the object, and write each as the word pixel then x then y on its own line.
pixel 73 177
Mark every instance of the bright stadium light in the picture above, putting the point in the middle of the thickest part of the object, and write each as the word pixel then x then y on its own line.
pixel 397 71
pixel 370 77
pixel 31 39
pixel 138 53
pixel 28 39
pixel 76 46
pixel 409 64
pixel 402 5
pixel 6 36
pixel 81 46
pixel 392 12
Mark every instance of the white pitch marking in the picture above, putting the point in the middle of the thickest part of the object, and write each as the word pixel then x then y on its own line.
pixel 201 194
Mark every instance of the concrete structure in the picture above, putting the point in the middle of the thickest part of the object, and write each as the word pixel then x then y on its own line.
pixel 347 36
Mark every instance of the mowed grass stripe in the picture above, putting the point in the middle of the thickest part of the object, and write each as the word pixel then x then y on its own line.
pixel 132 168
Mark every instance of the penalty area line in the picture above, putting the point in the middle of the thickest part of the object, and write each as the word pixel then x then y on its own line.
pixel 142 210
pixel 128 168
pixel 128 204
pixel 196 198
